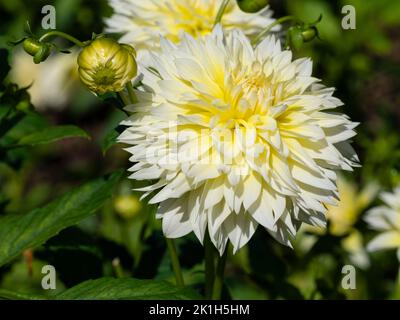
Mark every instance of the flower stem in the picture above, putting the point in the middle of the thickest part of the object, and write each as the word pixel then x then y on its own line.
pixel 209 253
pixel 396 291
pixel 131 92
pixel 175 262
pixel 219 276
pixel 119 272
pixel 64 35
pixel 262 34
pixel 124 98
pixel 221 11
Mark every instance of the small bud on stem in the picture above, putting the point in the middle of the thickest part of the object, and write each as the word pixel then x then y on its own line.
pixel 252 6
pixel 302 33
pixel 38 50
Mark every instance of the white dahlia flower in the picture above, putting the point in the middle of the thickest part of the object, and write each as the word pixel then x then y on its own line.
pixel 141 22
pixel 236 137
pixel 386 219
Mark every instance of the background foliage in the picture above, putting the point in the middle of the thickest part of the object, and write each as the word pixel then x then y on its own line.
pixel 51 159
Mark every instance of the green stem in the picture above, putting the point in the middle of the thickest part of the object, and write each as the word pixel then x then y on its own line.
pixel 268 29
pixel 219 277
pixel 124 98
pixel 116 263
pixel 64 35
pixel 221 11
pixel 131 92
pixel 396 291
pixel 175 262
pixel 125 101
pixel 209 254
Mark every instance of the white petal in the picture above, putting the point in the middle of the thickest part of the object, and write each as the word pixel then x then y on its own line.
pixel 175 219
pixel 386 240
pixel 240 228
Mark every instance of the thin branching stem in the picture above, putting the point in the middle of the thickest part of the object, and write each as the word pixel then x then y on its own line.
pixel 64 35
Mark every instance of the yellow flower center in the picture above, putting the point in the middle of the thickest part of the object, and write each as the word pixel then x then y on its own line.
pixel 249 95
pixel 252 81
pixel 195 17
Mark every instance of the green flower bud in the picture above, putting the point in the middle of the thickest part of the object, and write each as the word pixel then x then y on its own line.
pixel 295 38
pixel 38 50
pixel 31 46
pixel 252 6
pixel 24 106
pixel 309 34
pixel 298 35
pixel 106 65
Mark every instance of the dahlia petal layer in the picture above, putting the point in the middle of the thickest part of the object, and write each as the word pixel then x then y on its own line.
pixel 236 137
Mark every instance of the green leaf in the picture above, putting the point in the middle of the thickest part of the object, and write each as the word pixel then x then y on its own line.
pixel 112 129
pixel 11 295
pixel 109 140
pixel 31 123
pixel 52 134
pixel 20 232
pixel 114 289
pixel 27 28
pixel 127 289
pixel 8 123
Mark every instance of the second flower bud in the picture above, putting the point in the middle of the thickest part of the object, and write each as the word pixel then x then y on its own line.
pixel 106 65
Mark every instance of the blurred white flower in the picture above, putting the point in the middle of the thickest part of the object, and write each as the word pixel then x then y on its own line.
pixel 386 219
pixel 353 244
pixel 141 22
pixel 352 203
pixel 52 83
pixel 236 137
pixel 342 218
